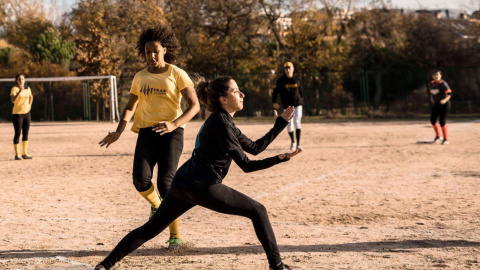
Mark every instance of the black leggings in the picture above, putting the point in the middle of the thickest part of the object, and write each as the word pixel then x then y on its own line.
pixel 163 150
pixel 21 124
pixel 219 198
pixel 440 110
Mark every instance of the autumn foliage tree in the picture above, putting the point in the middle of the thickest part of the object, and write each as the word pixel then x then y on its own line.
pixel 106 33
pixel 328 41
pixel 33 48
pixel 95 57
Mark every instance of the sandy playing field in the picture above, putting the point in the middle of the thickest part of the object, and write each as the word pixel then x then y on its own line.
pixel 360 196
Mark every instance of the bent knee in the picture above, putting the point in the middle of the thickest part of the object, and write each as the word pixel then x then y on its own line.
pixel 260 210
pixel 142 182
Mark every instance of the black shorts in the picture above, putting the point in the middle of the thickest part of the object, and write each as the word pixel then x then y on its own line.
pixel 440 111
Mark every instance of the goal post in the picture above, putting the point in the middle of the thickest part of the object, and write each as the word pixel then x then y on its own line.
pixel 114 114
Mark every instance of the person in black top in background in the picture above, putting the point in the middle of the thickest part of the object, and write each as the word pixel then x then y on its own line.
pixel 291 92
pixel 440 94
pixel 199 180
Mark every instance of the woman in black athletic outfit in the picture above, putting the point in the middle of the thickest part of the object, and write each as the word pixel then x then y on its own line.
pixel 199 180
pixel 440 94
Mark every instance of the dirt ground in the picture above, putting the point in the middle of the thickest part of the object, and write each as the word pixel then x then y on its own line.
pixel 362 195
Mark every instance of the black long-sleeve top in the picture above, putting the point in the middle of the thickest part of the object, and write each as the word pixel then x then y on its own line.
pixel 290 90
pixel 219 142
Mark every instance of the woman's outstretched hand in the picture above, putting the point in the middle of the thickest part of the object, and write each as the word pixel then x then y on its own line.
pixel 109 139
pixel 287 115
pixel 289 155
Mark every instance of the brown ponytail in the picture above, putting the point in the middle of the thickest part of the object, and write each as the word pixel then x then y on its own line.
pixel 209 92
pixel 201 90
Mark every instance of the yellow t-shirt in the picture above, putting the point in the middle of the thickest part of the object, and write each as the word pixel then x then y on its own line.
pixel 159 96
pixel 21 104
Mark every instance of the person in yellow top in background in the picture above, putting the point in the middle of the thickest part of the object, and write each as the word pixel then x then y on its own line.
pixel 22 100
pixel 159 120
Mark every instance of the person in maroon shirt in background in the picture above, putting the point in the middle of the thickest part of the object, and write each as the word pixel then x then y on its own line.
pixel 440 94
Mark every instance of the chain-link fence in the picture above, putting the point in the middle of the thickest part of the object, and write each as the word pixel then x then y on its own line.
pixel 331 94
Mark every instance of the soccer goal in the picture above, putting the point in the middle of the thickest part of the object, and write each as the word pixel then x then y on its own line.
pixel 114 115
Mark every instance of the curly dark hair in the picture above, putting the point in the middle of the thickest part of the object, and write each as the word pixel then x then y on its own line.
pixel 164 34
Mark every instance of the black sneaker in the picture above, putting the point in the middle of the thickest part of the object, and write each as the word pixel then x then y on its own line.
pixel 445 142
pixel 437 139
pixel 17 158
pixel 26 157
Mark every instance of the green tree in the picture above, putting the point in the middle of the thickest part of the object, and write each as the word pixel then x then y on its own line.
pixel 50 47
pixel 379 42
pixel 24 22
pixel 5 53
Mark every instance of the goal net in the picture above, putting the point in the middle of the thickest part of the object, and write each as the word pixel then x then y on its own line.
pixel 114 114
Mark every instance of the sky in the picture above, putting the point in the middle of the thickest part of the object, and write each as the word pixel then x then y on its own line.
pixel 438 4
pixel 468 5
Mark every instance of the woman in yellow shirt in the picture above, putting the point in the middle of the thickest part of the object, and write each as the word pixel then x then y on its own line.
pixel 22 100
pixel 155 97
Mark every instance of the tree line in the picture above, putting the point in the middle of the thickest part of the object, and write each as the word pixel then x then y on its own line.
pixel 374 59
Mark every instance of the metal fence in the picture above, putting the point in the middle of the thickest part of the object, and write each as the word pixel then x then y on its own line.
pixel 328 94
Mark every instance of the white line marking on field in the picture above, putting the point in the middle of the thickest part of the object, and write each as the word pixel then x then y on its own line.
pixel 296 184
pixel 64 259
pixel 39 260
pixel 85 220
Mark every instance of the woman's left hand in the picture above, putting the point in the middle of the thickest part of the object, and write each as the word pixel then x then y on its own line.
pixel 288 114
pixel 443 101
pixel 289 155
pixel 164 127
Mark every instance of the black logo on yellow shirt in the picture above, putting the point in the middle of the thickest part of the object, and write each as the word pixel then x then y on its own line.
pixel 146 90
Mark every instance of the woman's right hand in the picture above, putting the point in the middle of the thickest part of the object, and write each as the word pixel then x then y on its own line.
pixel 109 139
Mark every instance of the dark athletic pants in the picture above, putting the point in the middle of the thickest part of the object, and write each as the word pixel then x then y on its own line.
pixel 219 198
pixel 21 124
pixel 161 150
pixel 440 110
